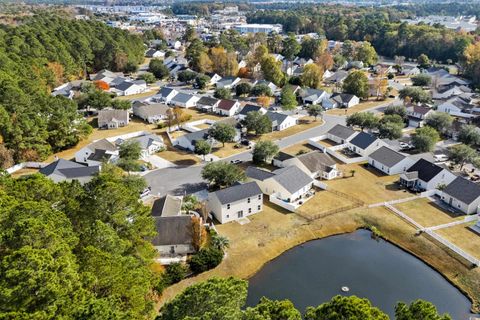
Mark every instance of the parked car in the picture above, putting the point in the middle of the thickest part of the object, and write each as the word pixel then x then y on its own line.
pixel 440 157
pixel 145 192
pixel 245 142
pixel 236 161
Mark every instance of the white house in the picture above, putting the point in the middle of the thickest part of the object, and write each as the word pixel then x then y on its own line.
pixel 313 96
pixel 184 100
pixel 151 113
pixel 341 134
pixel 236 202
pixel 174 236
pixel 424 175
pixel 65 170
pixel 228 82
pixel 166 94
pixel 250 108
pixel 127 88
pixel 112 119
pixel 187 141
pixel 457 107
pixel 174 44
pixel 214 78
pixel 154 53
pixel 417 115
pixel 208 104
pixel 389 161
pixel 227 107
pixel 280 121
pixel 345 100
pixel 364 144
pixel 101 149
pixel 463 195
pixel 149 144
pixel 316 164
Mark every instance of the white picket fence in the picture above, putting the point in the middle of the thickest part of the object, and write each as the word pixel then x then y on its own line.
pixel 454 248
pixel 454 223
pixel 404 216
pixel 20 166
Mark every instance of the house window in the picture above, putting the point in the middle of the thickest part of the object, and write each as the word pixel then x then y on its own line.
pixel 259 197
pixel 228 206
pixel 259 207
pixel 248 200
pixel 249 210
pixel 228 216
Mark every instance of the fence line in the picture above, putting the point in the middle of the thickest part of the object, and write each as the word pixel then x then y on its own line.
pixel 454 248
pixel 404 216
pixel 454 223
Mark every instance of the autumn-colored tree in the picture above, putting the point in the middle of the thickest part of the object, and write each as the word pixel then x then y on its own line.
pixel 57 71
pixel 472 62
pixel 264 101
pixel 312 76
pixel 199 233
pixel 121 60
pixel 244 72
pixel 102 85
pixel 6 157
pixel 204 64
pixel 325 61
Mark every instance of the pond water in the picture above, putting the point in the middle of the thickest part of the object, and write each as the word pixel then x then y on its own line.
pixel 314 272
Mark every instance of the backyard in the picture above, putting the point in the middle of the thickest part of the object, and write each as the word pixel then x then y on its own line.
pixel 463 237
pixel 363 106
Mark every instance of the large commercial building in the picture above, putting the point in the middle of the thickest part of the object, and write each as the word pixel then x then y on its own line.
pixel 255 28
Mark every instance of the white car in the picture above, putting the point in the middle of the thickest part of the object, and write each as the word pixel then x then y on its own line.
pixel 440 157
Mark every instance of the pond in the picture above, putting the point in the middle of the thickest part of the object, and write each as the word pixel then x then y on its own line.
pixel 314 272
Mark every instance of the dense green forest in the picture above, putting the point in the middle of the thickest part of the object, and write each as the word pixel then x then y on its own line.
pixel 38 54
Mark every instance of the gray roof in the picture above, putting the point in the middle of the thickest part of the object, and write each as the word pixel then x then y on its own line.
pixel 238 192
pixel 167 206
pixel 426 170
pixel 276 117
pixel 196 135
pixel 122 86
pixel 387 156
pixel 207 101
pixel 316 161
pixel 147 140
pixel 258 174
pixel 69 169
pixel 109 115
pixel 282 156
pixel 165 91
pixel 150 110
pixel 463 190
pixel 99 155
pixel 182 97
pixel 249 108
pixel 342 132
pixel 173 230
pixel 292 178
pixel 363 140
pixel 102 144
pixel 342 97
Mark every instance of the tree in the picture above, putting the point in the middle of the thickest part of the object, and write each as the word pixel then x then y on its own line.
pixel 363 120
pixel 440 121
pixel 222 132
pixel 121 104
pixel 312 76
pixel 264 101
pixel 130 150
pixel 288 99
pixel 175 272
pixel 147 77
pixel 471 58
pixel 396 109
pixel 215 298
pixel 264 151
pixel 390 130
pixel 222 174
pixel 261 90
pixel 197 56
pixel 223 62
pixel 243 89
pixel 257 122
pixel 422 80
pixel 222 93
pixel 469 135
pixel 220 242
pixel 315 110
pixel 418 310
pixel 201 81
pixel 6 157
pixel 461 154
pixel 272 70
pixel 425 138
pixel 290 47
pixel 423 61
pixel 272 309
pixel 367 54
pixel 186 76
pixel 158 69
pixel 205 259
pixel 345 308
pixel 356 83
pixel 202 148
pixel 414 94
pixel 96 99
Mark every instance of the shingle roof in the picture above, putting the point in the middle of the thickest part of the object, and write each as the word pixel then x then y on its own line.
pixel 165 91
pixel 363 140
pixel 167 206
pixel 102 144
pixel 292 178
pixel 154 109
pixel 463 190
pixel 316 161
pixel 197 135
pixel 109 115
pixel 342 97
pixel 387 156
pixel 258 174
pixel 59 164
pixel 147 140
pixel 238 192
pixel 282 156
pixel 207 101
pixel 69 169
pixel 182 97
pixel 276 117
pixel 226 104
pixel 249 108
pixel 173 230
pixel 99 155
pixel 124 85
pixel 342 132
pixel 426 170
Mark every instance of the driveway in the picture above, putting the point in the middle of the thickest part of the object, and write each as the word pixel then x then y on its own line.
pixel 159 162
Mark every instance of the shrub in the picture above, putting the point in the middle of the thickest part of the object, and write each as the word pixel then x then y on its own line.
pixel 205 259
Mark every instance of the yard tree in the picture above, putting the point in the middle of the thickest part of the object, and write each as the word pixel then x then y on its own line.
pixel 197 56
pixel 264 101
pixel 121 104
pixel 272 70
pixel 461 154
pixel 471 57
pixel 261 90
pixel 291 47
pixel 363 120
pixel 315 110
pixel 223 132
pixel 395 118
pixel 325 61
pixel 272 309
pixel 202 148
pixel 243 89
pixel 215 298
pixel 469 135
pixel 180 116
pixel 222 174
pixel 357 83
pixel 95 99
pixel 345 308
pixel 396 109
pixel 257 122
pixel 418 310
pixel 186 76
pixel 130 150
pixel 203 63
pixel 274 42
pixel 220 242
pixel 222 93
pixel 205 259
pixel 189 34
pixel 264 151
pixel 158 69
pixel 201 81
pixel 148 77
pixel 414 94
pixel 423 61
pixel 366 53
pixel 440 121
pixel 175 272
pixel 312 76
pixel 390 130
pixel 288 99
pixel 425 138
pixel 422 80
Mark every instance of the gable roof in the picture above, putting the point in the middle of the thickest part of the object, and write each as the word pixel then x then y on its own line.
pixel 110 115
pixel 292 178
pixel 363 140
pixel 226 104
pixel 165 91
pixel 276 117
pixel 182 97
pixel 463 190
pixel 196 135
pixel 258 174
pixel 99 155
pixel 249 108
pixel 426 170
pixel 152 109
pixel 238 192
pixel 147 140
pixel 282 156
pixel 69 169
pixel 173 230
pixel 343 97
pixel 387 156
pixel 102 144
pixel 167 206
pixel 316 161
pixel 207 101
pixel 341 132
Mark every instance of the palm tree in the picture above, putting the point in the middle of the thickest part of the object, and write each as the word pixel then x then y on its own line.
pixel 352 172
pixel 220 242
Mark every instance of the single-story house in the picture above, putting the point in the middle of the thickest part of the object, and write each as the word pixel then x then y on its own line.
pixel 149 143
pixel 417 114
pixel 174 44
pixel 389 161
pixel 228 107
pixel 457 107
pixel 250 108
pixel 209 104
pixel 175 235
pixel 151 113
pixel 313 96
pixel 425 175
pixel 96 152
pixel 187 141
pixel 184 100
pixel 66 170
pixel 341 134
pixel 214 78
pixel 154 53
pixel 166 94
pixel 316 164
pixel 462 194
pixel 337 78
pixel 236 202
pixel 280 121
pixel 112 119
pixel 127 88
pixel 345 100
pixel 364 144
pixel 228 82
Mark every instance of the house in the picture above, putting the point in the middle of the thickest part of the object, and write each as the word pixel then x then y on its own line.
pixel 389 161
pixel 410 71
pixel 65 90
pixel 167 206
pixel 154 53
pixel 106 76
pixel 425 175
pixel 341 134
pixel 187 141
pixel 313 96
pixel 166 94
pixel 316 164
pixel 269 84
pixel 174 44
pixel 364 144
pixel 112 119
pixel 288 184
pixel 345 100
pixel 337 78
pixel 149 144
pixel 417 114
pixel 184 100
pixel 448 92
pixel 214 78
pixel 462 194
pixel 228 82
pixel 457 107
pixel 228 107
pixel 250 108
pixel 96 152
pixel 65 170
pixel 208 104
pixel 151 113
pixel 280 121
pixel 175 235
pixel 236 202
pixel 127 88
